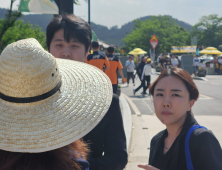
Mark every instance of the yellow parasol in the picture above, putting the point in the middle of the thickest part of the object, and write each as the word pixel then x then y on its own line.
pixel 210 50
pixel 137 51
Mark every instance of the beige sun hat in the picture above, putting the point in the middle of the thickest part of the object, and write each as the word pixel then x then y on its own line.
pixel 47 103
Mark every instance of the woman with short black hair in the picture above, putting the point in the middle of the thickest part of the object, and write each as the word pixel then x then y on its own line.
pixel 174 94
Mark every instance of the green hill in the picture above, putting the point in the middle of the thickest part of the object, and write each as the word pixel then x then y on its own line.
pixel 113 35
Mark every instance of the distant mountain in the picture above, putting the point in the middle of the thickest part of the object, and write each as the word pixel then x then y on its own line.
pixel 113 35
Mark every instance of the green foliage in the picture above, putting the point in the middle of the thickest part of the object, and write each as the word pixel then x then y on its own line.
pixel 21 31
pixel 167 31
pixel 9 21
pixel 208 31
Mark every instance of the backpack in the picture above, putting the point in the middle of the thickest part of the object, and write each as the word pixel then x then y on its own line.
pixel 187 150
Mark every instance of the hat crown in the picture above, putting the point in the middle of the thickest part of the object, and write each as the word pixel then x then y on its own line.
pixel 27 70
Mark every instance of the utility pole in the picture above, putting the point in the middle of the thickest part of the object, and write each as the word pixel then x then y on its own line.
pixel 89 12
pixel 65 6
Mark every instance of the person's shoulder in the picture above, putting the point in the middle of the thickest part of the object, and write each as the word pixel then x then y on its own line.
pixel 202 133
pixel 102 55
pixel 115 58
pixel 90 55
pixel 202 136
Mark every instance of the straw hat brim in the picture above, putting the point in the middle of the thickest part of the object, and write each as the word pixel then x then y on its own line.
pixel 68 115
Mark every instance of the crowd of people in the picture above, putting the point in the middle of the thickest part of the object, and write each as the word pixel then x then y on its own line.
pixel 59 113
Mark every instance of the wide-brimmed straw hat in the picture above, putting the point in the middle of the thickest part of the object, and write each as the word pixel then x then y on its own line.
pixel 47 103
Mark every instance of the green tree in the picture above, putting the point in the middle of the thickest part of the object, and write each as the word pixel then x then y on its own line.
pixel 208 31
pixel 21 31
pixel 167 31
pixel 5 24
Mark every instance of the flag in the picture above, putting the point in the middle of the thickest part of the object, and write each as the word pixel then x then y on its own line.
pixel 39 6
pixel 197 52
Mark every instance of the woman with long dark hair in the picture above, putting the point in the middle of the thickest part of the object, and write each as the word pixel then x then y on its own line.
pixel 178 147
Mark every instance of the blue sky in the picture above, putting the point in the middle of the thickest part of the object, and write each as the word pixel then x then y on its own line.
pixel 119 12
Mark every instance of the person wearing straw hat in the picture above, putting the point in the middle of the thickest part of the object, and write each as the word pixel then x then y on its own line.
pixel 46 107
pixel 70 37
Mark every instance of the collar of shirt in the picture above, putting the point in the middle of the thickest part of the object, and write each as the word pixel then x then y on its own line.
pixel 95 52
pixel 110 55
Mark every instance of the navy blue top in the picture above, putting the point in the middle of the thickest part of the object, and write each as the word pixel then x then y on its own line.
pixel 96 55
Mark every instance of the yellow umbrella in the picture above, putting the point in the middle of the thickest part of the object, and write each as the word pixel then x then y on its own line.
pixel 216 52
pixel 204 51
pixel 137 51
pixel 211 48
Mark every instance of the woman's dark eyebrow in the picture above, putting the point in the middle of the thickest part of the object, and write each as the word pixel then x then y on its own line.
pixel 159 90
pixel 176 90
pixel 59 40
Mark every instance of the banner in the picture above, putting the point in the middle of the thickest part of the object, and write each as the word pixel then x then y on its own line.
pixel 39 6
pixel 183 49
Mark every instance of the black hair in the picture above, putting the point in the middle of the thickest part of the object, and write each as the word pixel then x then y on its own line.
pixel 95 45
pixel 73 26
pixel 110 49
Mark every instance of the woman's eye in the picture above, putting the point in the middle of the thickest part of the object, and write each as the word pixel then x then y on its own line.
pixel 59 45
pixel 74 46
pixel 176 95
pixel 159 94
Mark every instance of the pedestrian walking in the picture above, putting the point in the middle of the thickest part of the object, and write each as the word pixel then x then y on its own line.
pixel 196 63
pixel 115 64
pixel 174 61
pixel 107 141
pixel 43 108
pixel 139 72
pixel 147 71
pixel 97 59
pixel 184 144
pixel 130 70
pixel 163 62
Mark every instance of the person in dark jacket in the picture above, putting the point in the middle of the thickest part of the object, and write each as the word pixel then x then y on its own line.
pixel 107 143
pixel 174 93
pixel 139 71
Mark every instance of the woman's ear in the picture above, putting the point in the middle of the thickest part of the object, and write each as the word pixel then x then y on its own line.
pixel 191 103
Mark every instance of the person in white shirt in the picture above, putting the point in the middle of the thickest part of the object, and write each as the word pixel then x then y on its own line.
pixel 196 63
pixel 130 69
pixel 147 71
pixel 174 61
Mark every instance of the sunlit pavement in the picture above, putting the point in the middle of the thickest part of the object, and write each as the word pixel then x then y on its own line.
pixel 145 125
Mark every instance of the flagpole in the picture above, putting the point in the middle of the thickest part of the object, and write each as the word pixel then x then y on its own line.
pixel 89 12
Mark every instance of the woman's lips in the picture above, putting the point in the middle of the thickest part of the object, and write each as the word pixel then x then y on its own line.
pixel 165 113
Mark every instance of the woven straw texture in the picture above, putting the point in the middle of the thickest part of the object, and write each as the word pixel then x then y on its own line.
pixel 27 70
